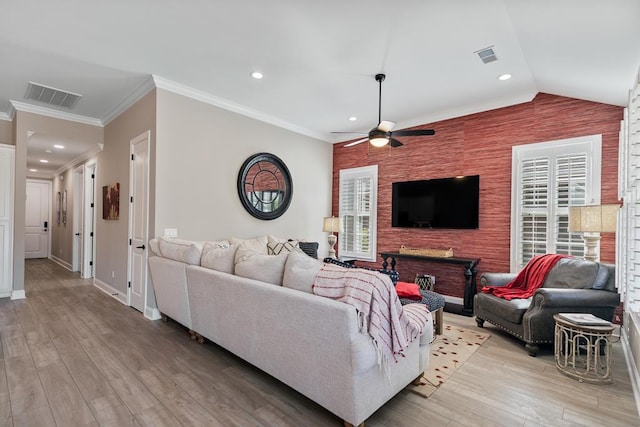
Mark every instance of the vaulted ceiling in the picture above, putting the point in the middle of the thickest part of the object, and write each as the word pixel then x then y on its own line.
pixel 319 58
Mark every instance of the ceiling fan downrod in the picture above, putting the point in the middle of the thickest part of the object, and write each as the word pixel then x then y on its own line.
pixel 380 78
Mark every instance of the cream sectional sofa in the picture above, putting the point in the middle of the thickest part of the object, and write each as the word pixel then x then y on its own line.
pixel 311 343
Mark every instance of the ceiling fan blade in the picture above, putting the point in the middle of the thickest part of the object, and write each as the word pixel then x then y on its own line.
pixel 394 142
pixel 386 126
pixel 414 132
pixel 351 144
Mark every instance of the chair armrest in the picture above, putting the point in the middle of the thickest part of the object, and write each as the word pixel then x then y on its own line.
pixel 551 297
pixel 496 279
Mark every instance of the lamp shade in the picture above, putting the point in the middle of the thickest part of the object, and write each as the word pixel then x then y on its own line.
pixel 332 224
pixel 593 218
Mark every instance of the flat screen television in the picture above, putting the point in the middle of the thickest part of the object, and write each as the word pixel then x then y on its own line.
pixel 436 203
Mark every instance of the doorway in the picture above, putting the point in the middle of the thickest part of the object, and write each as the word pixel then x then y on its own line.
pixel 37 219
pixel 78 219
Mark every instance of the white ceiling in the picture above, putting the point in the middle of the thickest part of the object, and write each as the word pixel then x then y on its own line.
pixel 319 57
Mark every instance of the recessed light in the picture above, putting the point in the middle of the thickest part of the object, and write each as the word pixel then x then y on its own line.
pixel 353 119
pixel 44 161
pixel 257 75
pixel 48 151
pixel 33 170
pixel 58 146
pixel 504 77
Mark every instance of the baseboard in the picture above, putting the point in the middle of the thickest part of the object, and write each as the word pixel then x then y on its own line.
pixel 152 313
pixel 61 262
pixel 18 294
pixel 109 290
pixel 634 371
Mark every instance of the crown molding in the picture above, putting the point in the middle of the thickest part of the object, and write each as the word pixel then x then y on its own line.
pixel 147 86
pixel 8 116
pixel 56 114
pixel 207 98
pixel 78 160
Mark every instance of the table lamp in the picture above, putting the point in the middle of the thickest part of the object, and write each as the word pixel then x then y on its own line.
pixel 332 225
pixel 591 220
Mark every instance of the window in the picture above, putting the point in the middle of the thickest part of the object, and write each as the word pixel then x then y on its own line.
pixel 547 178
pixel 358 196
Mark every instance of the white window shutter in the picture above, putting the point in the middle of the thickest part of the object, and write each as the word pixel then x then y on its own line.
pixel 357 203
pixel 549 177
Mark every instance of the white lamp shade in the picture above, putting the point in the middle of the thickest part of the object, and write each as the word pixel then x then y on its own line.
pixel 593 219
pixel 332 224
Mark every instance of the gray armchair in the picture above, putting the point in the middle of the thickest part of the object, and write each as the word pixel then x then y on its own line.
pixel 572 286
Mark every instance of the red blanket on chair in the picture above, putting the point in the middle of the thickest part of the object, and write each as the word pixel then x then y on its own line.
pixel 530 278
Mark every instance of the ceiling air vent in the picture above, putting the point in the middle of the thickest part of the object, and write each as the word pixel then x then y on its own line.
pixel 487 55
pixel 51 96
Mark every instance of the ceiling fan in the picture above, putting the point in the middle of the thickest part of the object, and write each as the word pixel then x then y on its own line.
pixel 382 135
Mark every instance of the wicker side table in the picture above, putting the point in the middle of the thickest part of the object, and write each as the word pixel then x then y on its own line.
pixel 583 352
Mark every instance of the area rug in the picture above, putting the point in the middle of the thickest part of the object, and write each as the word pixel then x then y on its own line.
pixel 449 351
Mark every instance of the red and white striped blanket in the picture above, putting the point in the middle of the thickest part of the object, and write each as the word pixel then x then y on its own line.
pixel 381 315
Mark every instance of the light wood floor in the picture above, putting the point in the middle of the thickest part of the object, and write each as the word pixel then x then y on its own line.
pixel 71 355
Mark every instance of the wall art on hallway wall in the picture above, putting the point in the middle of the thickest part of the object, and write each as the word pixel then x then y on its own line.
pixel 111 201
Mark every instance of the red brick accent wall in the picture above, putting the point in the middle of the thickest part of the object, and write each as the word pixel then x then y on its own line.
pixel 480 144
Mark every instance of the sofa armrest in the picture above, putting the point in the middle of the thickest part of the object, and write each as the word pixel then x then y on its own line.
pixel 551 297
pixel 496 279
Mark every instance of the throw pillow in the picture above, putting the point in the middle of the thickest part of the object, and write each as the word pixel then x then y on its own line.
pixel 300 272
pixel 278 248
pixel 266 268
pixel 248 247
pixel 219 256
pixel 408 290
pixel 186 251
pixel 309 248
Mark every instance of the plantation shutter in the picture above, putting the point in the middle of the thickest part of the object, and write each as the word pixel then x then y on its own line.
pixel 548 178
pixel 535 208
pixel 357 205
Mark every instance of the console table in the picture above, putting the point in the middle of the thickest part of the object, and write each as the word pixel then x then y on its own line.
pixel 470 272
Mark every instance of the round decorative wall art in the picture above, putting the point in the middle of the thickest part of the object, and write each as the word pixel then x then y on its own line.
pixel 264 186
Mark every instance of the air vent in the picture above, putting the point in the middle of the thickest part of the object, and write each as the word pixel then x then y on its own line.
pixel 51 96
pixel 487 55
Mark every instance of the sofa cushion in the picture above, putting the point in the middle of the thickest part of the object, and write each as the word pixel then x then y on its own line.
pixel 219 256
pixel 573 273
pixel 186 251
pixel 509 310
pixel 300 272
pixel 266 268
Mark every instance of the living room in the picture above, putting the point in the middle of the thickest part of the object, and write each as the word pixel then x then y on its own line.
pixel 197 147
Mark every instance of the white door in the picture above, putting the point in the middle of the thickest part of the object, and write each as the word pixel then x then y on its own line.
pixel 37 221
pixel 7 153
pixel 78 219
pixel 89 221
pixel 138 220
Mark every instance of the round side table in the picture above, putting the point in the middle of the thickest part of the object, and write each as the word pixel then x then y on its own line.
pixel 583 352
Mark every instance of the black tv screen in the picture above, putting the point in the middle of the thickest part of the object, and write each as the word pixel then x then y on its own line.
pixel 436 203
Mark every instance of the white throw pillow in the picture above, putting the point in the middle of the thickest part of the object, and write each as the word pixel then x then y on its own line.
pixel 266 268
pixel 247 247
pixel 219 256
pixel 300 271
pixel 186 251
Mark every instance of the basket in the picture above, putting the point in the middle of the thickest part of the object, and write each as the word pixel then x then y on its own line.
pixel 439 253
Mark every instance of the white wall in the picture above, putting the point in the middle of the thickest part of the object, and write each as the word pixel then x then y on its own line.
pixel 200 149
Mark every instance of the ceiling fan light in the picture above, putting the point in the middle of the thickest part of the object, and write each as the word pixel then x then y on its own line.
pixel 379 141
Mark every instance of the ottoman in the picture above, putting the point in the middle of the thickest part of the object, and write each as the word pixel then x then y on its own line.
pixel 435 304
